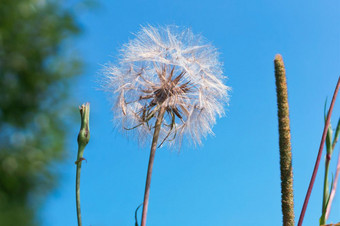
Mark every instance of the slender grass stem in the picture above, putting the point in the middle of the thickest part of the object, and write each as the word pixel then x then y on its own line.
pixel 325 197
pixel 150 166
pixel 316 166
pixel 335 183
pixel 287 198
pixel 325 191
pixel 83 139
pixel 337 171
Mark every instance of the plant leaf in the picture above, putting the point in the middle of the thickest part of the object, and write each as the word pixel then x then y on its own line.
pixel 329 132
pixel 329 140
pixel 336 135
pixel 136 219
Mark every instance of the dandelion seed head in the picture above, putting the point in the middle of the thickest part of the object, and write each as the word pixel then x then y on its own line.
pixel 171 68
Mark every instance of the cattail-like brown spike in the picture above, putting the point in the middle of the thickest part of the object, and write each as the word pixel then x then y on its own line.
pixel 287 198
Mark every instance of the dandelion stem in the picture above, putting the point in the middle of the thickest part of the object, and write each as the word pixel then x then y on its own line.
pixel 287 199
pixel 83 139
pixel 316 166
pixel 151 160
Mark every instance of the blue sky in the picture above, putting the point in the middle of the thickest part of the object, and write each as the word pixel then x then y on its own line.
pixel 234 178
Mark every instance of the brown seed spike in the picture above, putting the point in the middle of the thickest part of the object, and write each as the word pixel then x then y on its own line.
pixel 159 73
pixel 186 112
pixel 146 97
pixel 178 78
pixel 184 87
pixel 287 198
pixel 175 110
pixel 171 73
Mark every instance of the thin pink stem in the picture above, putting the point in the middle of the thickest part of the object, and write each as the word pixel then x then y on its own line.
pixel 335 183
pixel 309 191
pixel 158 125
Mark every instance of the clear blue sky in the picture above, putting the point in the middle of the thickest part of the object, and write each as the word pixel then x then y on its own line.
pixel 234 178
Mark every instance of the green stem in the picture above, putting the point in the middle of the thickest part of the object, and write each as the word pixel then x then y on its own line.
pixel 287 199
pixel 318 158
pixel 335 182
pixel 325 191
pixel 332 194
pixel 325 197
pixel 78 189
pixel 83 139
pixel 150 166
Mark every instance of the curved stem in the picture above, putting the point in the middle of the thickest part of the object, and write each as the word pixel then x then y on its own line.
pixel 150 166
pixel 316 166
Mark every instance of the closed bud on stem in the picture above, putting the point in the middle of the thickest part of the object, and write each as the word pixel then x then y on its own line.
pixel 84 133
pixel 83 140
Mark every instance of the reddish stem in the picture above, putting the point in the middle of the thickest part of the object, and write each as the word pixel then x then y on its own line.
pixel 335 183
pixel 158 125
pixel 309 191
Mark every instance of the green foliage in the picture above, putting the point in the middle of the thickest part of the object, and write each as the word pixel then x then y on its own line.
pixel 34 71
pixel 329 151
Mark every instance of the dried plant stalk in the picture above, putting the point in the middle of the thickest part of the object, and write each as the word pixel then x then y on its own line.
pixel 287 198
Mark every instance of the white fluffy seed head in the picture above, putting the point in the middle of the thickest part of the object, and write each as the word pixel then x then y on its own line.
pixel 171 68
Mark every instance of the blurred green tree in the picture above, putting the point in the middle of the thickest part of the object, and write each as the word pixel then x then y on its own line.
pixel 35 69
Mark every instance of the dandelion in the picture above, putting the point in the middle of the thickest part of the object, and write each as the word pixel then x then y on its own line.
pixel 166 85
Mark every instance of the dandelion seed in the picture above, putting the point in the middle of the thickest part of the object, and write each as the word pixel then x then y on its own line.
pixel 167 84
pixel 172 69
